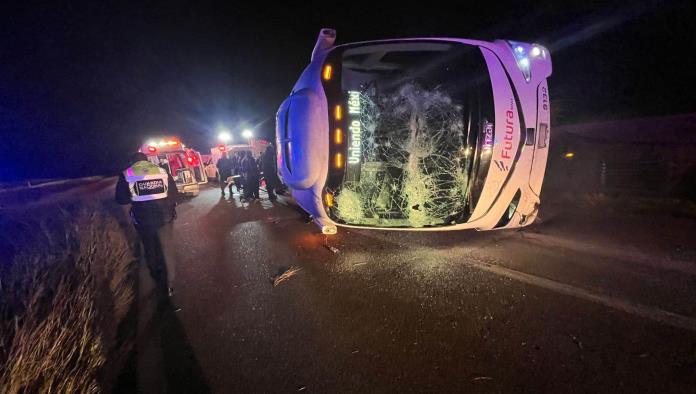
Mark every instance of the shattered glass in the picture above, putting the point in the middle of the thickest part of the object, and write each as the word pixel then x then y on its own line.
pixel 415 161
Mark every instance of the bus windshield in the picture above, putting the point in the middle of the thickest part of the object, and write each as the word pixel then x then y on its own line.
pixel 417 121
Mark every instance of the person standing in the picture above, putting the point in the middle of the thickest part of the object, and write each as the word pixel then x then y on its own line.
pixel 251 170
pixel 152 194
pixel 238 173
pixel 224 167
pixel 268 166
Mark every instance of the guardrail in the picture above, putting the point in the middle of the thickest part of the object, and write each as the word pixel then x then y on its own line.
pixel 36 183
pixel 54 190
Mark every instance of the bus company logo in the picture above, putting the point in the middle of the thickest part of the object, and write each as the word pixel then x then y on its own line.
pixel 355 128
pixel 501 165
pixel 509 132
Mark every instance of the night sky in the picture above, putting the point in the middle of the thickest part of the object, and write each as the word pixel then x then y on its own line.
pixel 83 85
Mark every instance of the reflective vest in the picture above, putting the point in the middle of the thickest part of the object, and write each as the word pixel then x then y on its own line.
pixel 146 181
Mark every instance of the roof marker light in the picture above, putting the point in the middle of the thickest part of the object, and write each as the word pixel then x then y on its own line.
pixel 329 199
pixel 338 163
pixel 328 72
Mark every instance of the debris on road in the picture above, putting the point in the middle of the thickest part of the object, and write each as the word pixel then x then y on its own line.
pixel 301 389
pixel 576 341
pixel 285 275
pixel 481 378
pixel 334 250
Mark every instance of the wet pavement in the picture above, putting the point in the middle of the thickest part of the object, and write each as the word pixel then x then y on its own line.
pixel 580 302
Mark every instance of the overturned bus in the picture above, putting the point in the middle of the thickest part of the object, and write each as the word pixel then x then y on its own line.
pixel 417 134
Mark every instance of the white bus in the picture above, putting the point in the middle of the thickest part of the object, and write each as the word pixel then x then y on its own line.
pixel 417 134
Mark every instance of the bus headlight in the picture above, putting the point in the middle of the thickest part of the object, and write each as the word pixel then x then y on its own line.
pixel 522 52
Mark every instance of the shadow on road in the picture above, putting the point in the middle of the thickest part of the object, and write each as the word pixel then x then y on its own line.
pixel 182 372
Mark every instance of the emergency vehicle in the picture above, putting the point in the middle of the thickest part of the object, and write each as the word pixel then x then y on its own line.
pixel 417 134
pixel 185 164
pixel 256 147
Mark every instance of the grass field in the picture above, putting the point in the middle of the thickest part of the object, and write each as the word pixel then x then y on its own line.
pixel 66 282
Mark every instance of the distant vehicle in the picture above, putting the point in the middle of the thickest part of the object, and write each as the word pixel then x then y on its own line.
pixel 183 163
pixel 418 134
pixel 195 160
pixel 256 147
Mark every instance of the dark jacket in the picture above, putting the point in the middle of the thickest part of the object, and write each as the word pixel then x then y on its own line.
pixel 250 166
pixel 224 166
pixel 268 166
pixel 151 214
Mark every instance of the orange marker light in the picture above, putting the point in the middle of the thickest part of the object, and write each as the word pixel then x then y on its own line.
pixel 338 112
pixel 328 72
pixel 338 136
pixel 328 199
pixel 339 160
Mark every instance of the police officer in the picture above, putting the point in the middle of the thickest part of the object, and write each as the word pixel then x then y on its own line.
pixel 151 192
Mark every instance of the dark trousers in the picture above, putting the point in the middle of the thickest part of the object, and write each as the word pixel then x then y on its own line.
pixel 270 187
pixel 269 190
pixel 251 188
pixel 155 259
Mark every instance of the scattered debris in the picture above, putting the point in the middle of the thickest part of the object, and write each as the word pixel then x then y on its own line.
pixel 177 310
pixel 481 378
pixel 285 275
pixel 332 249
pixel 576 341
pixel 359 264
pixel 301 389
pixel 355 351
pixel 644 355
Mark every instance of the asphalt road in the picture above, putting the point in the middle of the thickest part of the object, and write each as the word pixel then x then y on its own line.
pixel 581 302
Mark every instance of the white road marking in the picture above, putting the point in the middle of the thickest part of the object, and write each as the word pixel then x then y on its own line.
pixel 644 311
pixel 623 254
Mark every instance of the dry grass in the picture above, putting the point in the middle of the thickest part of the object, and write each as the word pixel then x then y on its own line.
pixel 64 288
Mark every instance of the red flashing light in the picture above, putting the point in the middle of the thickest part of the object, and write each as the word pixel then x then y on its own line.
pixel 221 148
pixel 151 149
pixel 189 159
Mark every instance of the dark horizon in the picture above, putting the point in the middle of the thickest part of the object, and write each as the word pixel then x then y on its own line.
pixel 81 86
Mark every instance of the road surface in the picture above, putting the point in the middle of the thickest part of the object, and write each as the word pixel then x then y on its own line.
pixel 582 302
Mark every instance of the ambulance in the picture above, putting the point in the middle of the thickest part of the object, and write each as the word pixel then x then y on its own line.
pixel 185 164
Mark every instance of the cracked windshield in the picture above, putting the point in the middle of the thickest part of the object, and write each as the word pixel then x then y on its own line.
pixel 415 153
